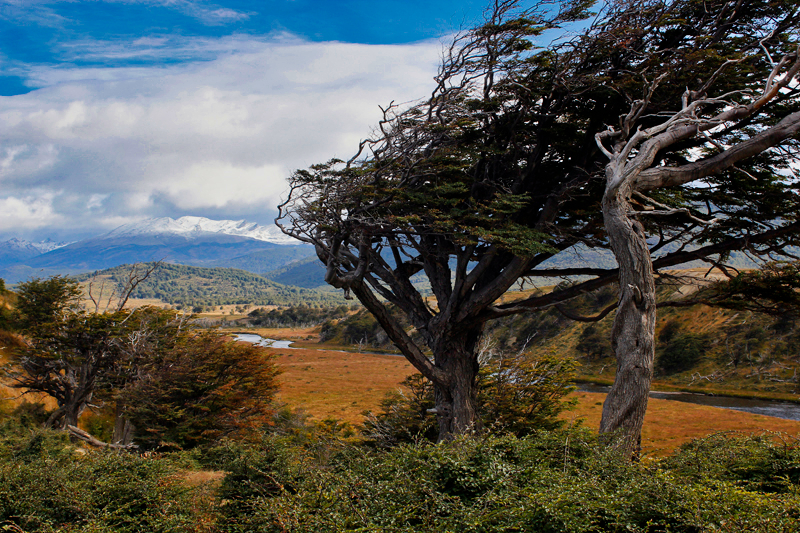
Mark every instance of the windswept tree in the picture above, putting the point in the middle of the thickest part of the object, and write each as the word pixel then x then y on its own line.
pixel 71 354
pixel 664 132
pixel 204 387
pixel 67 352
pixel 169 383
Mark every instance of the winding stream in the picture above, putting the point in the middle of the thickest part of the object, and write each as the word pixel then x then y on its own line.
pixel 258 340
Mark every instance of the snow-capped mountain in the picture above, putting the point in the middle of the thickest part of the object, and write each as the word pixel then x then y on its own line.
pixel 33 248
pixel 193 227
pixel 16 250
pixel 193 241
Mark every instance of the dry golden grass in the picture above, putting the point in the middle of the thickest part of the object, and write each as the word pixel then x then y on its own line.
pixel 342 385
pixel 337 384
pixel 668 424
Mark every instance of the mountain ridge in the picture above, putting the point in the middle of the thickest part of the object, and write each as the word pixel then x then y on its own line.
pixel 194 241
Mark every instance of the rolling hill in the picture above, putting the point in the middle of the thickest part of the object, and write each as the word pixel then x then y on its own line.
pixel 191 286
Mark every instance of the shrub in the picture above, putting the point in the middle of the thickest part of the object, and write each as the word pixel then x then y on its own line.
pixel 593 344
pixel 681 352
pixel 563 481
pixel 517 394
pixel 204 388
pixel 46 485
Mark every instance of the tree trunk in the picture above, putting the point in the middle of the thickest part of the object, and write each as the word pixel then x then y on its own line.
pixel 456 402
pixel 76 398
pixel 632 336
pixel 123 428
pixel 72 411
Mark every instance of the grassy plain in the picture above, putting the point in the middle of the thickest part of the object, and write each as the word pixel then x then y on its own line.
pixel 342 385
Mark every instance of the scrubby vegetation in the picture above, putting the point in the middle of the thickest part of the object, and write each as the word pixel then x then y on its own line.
pixel 697 345
pixel 308 479
pixel 296 316
pixel 524 469
pixel 517 394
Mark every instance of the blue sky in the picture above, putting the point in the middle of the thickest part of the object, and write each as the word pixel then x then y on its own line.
pixel 117 110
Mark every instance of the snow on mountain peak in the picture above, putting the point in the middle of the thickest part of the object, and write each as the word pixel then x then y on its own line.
pixel 190 226
pixel 41 247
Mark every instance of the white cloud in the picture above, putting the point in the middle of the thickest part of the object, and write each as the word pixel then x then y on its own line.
pixel 30 212
pixel 96 201
pixel 215 136
pixel 220 184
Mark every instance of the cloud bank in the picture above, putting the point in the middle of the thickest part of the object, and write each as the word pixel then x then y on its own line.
pixel 213 128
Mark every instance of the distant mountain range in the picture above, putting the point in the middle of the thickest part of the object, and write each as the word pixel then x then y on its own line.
pixel 201 242
pixel 194 241
pixel 194 228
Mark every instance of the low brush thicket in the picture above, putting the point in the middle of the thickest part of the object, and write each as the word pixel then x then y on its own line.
pixel 312 481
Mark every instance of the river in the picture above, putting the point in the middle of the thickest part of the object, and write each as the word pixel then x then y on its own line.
pixel 258 340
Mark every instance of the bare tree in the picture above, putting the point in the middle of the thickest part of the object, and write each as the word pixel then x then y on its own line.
pixel 712 126
pixel 112 296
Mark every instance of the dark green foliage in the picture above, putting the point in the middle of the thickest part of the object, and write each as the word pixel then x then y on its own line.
pixel 203 388
pixel 767 463
pixel 30 415
pixel 47 486
pixel 523 393
pixel 69 354
pixel 296 316
pixel 681 352
pixel 547 482
pixel 254 473
pixel 561 481
pixel 593 343
pixel 404 415
pixel 42 302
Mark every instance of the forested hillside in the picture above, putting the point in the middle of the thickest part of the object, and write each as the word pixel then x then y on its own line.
pixel 206 287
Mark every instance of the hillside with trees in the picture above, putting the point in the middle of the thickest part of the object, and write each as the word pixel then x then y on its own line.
pixel 197 287
pixel 737 350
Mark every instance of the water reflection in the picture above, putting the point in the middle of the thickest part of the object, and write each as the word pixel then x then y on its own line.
pixel 258 340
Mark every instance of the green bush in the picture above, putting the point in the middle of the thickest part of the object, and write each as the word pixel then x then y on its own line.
pixel 516 394
pixel 46 484
pixel 681 352
pixel 563 481
pixel 593 343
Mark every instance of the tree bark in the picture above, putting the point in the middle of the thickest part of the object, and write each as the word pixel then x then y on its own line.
pixel 456 408
pixel 123 428
pixel 633 332
pixel 75 398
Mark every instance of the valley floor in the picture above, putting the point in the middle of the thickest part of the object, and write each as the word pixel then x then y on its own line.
pixel 343 385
